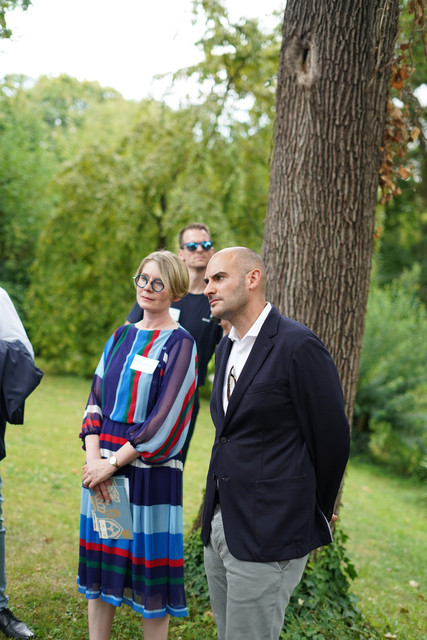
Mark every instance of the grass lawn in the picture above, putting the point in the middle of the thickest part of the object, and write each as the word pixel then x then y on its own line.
pixel 384 516
pixel 386 519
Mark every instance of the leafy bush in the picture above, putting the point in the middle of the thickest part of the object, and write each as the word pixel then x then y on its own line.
pixel 196 585
pixel 390 414
pixel 322 607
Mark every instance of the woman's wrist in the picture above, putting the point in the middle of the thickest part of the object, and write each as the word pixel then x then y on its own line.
pixel 111 470
pixel 93 458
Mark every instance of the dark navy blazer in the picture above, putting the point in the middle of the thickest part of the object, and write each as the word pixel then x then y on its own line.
pixel 19 376
pixel 281 449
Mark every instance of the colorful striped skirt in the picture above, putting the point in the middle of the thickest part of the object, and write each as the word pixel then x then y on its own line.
pixel 146 572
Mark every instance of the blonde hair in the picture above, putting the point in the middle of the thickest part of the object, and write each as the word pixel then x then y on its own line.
pixel 173 272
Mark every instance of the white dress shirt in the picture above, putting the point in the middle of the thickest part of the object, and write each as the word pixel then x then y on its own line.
pixel 240 351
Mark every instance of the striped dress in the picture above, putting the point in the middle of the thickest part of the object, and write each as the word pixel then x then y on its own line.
pixel 152 411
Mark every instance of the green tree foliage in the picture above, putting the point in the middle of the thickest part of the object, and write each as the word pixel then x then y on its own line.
pixel 162 150
pixel 116 204
pixel 238 74
pixel 79 114
pixel 403 220
pixel 240 62
pixel 391 402
pixel 8 5
pixel 26 167
pixel 87 253
pixel 237 91
pixel 182 171
pixel 42 125
pixel 401 232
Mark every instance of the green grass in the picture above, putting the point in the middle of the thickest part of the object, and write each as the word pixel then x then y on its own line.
pixel 384 516
pixel 386 520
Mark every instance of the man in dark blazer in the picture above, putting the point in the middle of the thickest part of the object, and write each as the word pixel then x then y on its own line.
pixel 280 451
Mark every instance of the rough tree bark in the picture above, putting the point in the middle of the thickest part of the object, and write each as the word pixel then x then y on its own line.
pixel 331 101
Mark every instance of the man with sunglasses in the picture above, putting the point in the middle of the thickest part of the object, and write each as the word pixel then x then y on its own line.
pixel 193 311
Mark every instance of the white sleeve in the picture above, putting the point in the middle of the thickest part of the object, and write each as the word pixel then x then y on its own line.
pixel 11 327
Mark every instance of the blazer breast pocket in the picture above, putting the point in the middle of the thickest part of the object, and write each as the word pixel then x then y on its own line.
pixel 269 386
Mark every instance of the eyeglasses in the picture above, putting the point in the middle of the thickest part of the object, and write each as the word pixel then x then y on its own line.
pixel 231 382
pixel 192 246
pixel 141 281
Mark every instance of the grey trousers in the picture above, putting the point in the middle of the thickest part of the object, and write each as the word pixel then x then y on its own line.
pixel 248 599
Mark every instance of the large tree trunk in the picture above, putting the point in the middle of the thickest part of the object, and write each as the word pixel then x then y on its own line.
pixel 331 103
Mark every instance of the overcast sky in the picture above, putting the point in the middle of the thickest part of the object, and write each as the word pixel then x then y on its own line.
pixel 120 44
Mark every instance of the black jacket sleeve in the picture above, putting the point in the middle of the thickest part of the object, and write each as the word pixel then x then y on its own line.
pixel 19 376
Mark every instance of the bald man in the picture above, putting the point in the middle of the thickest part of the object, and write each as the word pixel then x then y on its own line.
pixel 281 447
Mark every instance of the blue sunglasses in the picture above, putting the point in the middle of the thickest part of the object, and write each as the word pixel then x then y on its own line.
pixel 192 246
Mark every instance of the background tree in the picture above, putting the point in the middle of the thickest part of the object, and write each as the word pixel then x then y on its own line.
pixel 26 168
pixel 83 267
pixel 333 79
pixel 8 5
pixel 238 73
pixel 79 114
pixel 117 203
pixel 42 125
pixel 390 413
pixel 237 79
pixel 402 220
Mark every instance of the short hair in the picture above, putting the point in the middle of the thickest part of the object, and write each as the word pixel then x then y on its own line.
pixel 193 225
pixel 249 259
pixel 246 260
pixel 173 272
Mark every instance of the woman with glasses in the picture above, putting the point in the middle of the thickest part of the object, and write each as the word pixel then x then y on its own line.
pixel 135 424
pixel 193 311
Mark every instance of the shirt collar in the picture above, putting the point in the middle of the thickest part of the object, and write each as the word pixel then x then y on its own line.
pixel 255 328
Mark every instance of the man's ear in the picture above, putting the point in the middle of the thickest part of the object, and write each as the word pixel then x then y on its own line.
pixel 254 278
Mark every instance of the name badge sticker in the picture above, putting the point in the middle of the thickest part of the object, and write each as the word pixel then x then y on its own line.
pixel 175 313
pixel 143 364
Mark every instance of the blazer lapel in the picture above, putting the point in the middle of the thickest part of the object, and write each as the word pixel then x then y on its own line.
pixel 221 359
pixel 260 350
pixel 262 347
